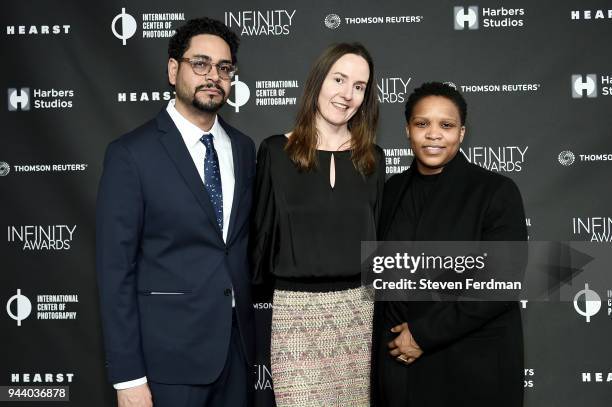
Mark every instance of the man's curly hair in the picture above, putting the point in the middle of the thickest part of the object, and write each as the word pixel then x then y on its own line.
pixel 180 41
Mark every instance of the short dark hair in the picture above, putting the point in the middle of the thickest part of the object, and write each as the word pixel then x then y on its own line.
pixel 180 40
pixel 437 89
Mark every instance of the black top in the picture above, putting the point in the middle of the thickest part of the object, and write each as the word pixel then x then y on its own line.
pixel 411 207
pixel 307 234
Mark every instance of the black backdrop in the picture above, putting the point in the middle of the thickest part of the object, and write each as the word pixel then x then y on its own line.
pixel 537 77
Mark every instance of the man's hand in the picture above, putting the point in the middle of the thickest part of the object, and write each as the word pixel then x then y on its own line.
pixel 139 396
pixel 404 348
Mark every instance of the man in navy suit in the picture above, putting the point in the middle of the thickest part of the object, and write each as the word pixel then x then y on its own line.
pixel 172 232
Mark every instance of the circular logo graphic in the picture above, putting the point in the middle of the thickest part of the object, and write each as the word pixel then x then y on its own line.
pixel 4 169
pixel 591 300
pixel 566 158
pixel 128 26
pixel 23 307
pixel 241 94
pixel 451 84
pixel 332 21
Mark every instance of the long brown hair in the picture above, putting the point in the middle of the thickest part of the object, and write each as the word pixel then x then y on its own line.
pixel 302 144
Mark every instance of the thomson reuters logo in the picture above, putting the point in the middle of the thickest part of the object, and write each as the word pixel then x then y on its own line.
pixel 584 84
pixel 5 168
pixel 466 16
pixel 18 99
pixel 588 299
pixel 332 21
pixel 127 25
pixel 566 158
pixel 242 94
pixel 19 307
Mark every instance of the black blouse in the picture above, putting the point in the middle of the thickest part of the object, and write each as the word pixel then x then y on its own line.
pixel 306 233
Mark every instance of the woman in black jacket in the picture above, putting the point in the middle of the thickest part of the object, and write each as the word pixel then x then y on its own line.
pixel 447 353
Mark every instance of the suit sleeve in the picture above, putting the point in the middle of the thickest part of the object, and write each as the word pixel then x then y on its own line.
pixel 447 322
pixel 119 219
pixel 264 219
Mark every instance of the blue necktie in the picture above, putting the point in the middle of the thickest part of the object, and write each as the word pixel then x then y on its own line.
pixel 212 178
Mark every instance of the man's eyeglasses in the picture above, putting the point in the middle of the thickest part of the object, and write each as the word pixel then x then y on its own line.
pixel 202 67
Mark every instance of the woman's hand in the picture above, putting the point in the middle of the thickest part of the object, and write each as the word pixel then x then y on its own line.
pixel 404 348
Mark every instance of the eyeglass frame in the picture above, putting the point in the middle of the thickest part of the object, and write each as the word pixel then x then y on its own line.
pixel 210 64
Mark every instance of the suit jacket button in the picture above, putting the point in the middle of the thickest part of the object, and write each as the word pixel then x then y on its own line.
pixel 226 252
pixel 227 292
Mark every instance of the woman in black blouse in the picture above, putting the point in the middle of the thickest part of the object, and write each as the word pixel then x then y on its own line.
pixel 447 353
pixel 318 195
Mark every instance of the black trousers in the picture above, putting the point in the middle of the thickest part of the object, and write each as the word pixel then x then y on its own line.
pixel 233 388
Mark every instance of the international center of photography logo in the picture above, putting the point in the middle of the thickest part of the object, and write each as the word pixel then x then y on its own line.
pixel 332 21
pixel 242 94
pixel 21 305
pixel 127 25
pixel 466 16
pixel 584 85
pixel 587 302
pixel 566 158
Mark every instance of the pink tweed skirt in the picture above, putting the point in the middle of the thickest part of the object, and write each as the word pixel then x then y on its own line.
pixel 320 352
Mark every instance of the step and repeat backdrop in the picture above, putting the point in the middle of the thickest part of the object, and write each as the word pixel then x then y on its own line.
pixel 537 77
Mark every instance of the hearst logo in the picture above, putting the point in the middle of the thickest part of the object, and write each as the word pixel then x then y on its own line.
pixel 145 96
pixel 475 17
pixel 153 25
pixel 25 99
pixel 591 14
pixel 596 377
pixel 18 378
pixel 500 159
pixel 276 22
pixel 591 85
pixel 333 21
pixel 36 30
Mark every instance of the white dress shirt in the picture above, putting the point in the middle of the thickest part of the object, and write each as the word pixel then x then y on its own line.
pixel 191 135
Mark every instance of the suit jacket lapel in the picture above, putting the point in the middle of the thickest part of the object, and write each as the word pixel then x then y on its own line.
pixel 238 177
pixel 173 143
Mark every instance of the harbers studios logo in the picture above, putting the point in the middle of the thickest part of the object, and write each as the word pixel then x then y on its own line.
pixel 25 99
pixel 587 303
pixel 474 17
pixel 591 85
pixel 154 25
pixel 18 99
pixel 584 86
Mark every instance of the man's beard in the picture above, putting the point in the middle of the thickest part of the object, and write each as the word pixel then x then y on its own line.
pixel 210 106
